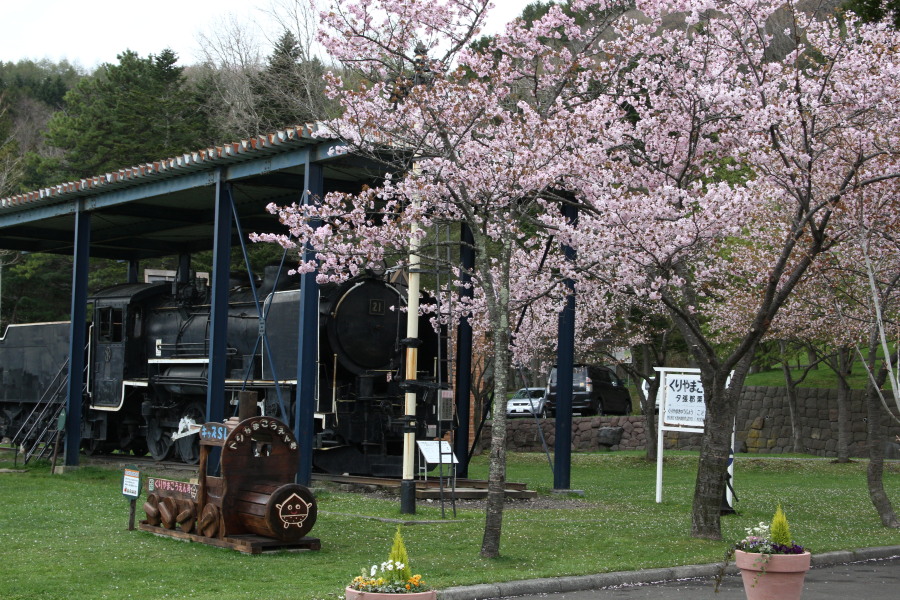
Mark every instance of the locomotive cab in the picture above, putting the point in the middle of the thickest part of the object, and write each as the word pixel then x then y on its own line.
pixel 116 359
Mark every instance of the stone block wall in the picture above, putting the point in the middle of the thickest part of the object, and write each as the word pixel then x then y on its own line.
pixel 763 426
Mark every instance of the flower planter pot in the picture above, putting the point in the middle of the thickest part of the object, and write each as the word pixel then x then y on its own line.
pixel 352 594
pixel 772 576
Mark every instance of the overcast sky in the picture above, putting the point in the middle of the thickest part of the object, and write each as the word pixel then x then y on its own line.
pixel 91 32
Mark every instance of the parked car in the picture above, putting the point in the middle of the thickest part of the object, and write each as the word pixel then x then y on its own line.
pixel 596 390
pixel 645 385
pixel 526 402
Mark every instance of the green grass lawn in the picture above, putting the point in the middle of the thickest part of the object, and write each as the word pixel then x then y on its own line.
pixel 65 536
pixel 823 377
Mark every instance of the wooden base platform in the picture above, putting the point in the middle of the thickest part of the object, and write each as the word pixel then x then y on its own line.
pixel 248 544
pixel 466 489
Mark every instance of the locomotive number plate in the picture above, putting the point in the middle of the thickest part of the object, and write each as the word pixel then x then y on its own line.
pixel 376 306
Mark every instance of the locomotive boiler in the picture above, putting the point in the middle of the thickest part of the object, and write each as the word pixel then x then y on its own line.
pixel 147 361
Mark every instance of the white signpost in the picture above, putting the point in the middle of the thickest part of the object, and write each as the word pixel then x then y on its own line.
pixel 682 407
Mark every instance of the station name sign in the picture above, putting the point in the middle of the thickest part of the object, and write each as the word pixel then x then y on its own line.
pixel 684 404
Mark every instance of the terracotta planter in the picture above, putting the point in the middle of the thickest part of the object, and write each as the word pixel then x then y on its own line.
pixel 352 594
pixel 772 576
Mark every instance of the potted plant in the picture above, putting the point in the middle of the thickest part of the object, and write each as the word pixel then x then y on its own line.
pixel 390 579
pixel 772 566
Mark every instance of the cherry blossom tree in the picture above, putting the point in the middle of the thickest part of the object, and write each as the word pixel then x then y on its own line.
pixel 707 169
pixel 484 138
pixel 738 164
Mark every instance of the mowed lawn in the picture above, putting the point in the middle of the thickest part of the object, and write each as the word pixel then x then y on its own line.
pixel 65 536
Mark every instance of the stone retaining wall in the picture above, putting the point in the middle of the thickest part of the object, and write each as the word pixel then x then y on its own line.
pixel 763 426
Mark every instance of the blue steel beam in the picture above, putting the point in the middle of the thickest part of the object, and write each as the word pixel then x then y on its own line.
pixel 178 181
pixel 307 344
pixel 464 355
pixel 75 383
pixel 565 362
pixel 218 315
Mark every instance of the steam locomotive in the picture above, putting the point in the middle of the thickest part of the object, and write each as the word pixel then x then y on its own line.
pixel 147 359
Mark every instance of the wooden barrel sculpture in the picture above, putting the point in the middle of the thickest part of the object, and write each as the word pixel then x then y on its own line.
pixel 253 497
pixel 282 511
pixel 259 458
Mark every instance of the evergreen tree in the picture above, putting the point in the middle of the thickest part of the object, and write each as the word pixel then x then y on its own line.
pixel 876 10
pixel 290 90
pixel 132 112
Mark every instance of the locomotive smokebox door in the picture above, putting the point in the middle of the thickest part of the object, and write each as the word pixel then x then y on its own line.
pixel 363 330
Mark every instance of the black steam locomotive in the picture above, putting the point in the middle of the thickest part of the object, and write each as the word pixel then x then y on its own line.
pixel 147 359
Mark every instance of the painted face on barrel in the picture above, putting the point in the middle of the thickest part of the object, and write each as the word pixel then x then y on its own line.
pixel 293 511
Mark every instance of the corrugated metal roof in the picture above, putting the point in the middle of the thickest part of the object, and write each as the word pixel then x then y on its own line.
pixel 273 143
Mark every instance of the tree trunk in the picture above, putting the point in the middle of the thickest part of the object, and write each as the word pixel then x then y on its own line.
pixel 875 471
pixel 496 290
pixel 715 450
pixel 650 422
pixel 490 545
pixel 791 388
pixel 648 405
pixel 843 405
pixel 721 407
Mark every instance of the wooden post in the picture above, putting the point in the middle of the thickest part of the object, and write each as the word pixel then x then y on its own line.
pixel 55 453
pixel 246 405
pixel 131 514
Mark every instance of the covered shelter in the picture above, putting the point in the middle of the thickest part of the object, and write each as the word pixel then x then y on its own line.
pixel 200 201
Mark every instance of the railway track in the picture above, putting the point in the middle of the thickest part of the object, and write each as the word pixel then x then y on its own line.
pixel 426 489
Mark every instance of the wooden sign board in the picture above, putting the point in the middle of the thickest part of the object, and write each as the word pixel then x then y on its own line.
pixel 172 488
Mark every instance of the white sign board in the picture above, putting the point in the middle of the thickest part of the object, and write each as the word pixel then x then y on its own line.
pixel 437 452
pixel 684 405
pixel 683 408
pixel 131 483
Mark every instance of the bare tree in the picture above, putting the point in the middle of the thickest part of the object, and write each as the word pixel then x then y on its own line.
pixel 231 56
pixel 9 154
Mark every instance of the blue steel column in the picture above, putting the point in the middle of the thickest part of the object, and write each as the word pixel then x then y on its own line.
pixel 133 270
pixel 464 356
pixel 75 383
pixel 218 314
pixel 307 343
pixel 565 360
pixel 182 276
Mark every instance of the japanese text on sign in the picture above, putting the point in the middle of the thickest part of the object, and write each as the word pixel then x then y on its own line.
pixel 173 488
pixel 684 400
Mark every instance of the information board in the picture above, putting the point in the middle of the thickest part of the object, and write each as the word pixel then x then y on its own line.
pixel 131 483
pixel 437 452
pixel 684 404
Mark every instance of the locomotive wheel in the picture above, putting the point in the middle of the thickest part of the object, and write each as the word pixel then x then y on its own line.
pixel 94 447
pixel 159 441
pixel 188 447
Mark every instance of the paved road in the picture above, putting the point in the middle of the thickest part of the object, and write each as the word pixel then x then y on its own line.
pixel 870 580
pixel 863 574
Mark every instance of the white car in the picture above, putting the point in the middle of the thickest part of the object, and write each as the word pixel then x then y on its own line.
pixel 526 402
